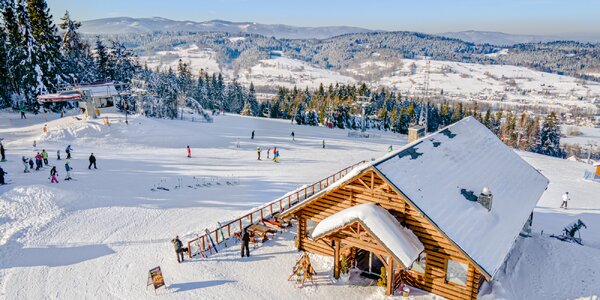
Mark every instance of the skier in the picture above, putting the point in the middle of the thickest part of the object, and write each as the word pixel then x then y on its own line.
pixel 34 144
pixel 390 149
pixel 258 151
pixel 68 169
pixel 31 163
pixel 23 112
pixel 268 151
pixel 68 150
pixel 45 129
pixel 57 154
pixel 62 112
pixel 53 174
pixel 2 152
pixel 38 161
pixel 92 162
pixel 178 248
pixel 276 156
pixel 323 144
pixel 245 242
pixel 25 164
pixel 2 173
pixel 45 156
pixel 565 199
pixel 293 136
pixel 252 137
pixel 189 151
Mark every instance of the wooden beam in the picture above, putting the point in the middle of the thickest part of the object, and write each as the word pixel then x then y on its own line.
pixel 390 276
pixel 336 259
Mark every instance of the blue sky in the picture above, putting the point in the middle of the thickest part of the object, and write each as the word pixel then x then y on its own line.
pixel 511 16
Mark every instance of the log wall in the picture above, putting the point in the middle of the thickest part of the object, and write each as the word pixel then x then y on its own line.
pixel 370 188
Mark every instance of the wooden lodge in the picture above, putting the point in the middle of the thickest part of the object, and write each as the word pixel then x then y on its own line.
pixel 440 214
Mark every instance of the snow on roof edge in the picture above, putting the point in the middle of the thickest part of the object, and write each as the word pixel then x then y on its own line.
pixel 400 241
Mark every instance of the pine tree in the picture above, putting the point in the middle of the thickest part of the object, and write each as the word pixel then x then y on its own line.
pixel 102 61
pixel 14 48
pixel 31 82
pixel 123 68
pixel 251 98
pixel 47 45
pixel 4 75
pixel 549 142
pixel 247 110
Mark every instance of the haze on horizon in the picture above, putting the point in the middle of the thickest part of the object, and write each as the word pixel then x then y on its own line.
pixel 539 17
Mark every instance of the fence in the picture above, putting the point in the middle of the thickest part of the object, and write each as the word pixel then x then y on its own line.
pixel 202 242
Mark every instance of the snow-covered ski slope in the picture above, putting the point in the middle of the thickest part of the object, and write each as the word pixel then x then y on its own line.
pixel 97 237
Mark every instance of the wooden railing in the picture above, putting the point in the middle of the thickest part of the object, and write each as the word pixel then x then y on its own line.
pixel 202 243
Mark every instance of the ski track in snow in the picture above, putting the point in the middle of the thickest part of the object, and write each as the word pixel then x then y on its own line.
pixel 97 237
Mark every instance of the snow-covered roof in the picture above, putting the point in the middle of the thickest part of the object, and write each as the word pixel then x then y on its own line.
pixel 105 90
pixel 400 241
pixel 442 174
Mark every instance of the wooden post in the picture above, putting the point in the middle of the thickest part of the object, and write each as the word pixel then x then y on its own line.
pixel 261 214
pixel 336 259
pixel 241 229
pixel 289 201
pixel 190 249
pixel 229 230
pixel 250 219
pixel 390 276
pixel 271 208
pixel 203 247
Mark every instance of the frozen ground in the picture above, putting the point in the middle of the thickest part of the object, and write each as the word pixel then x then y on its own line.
pixel 97 237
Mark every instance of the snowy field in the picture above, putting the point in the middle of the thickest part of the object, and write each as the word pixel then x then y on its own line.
pixel 97 237
pixel 510 85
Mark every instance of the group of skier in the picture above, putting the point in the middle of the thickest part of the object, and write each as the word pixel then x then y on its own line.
pixel 41 160
pixel 275 153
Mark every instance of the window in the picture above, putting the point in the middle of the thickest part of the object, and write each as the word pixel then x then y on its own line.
pixel 419 264
pixel 456 272
pixel 310 226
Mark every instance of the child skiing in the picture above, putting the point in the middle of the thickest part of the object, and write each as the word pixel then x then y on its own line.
pixel 68 169
pixel 68 150
pixel 57 154
pixel 53 174
pixel 25 164
pixel 30 163
pixel 22 110
pixel 276 156
pixel 268 151
pixel 189 151
pixel 252 137
pixel 45 156
pixel 293 136
pixel 258 151
pixel 38 161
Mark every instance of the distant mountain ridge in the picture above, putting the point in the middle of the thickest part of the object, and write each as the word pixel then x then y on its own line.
pixel 498 38
pixel 125 25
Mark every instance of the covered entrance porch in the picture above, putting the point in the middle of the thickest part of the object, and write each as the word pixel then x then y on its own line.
pixel 369 229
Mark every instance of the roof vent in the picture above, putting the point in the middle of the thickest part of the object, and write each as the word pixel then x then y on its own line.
pixel 485 198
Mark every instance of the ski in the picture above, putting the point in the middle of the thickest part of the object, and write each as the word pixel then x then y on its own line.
pixel 200 246
pixel 222 234
pixel 212 243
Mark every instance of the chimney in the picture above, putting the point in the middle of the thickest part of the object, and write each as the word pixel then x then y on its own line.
pixel 485 198
pixel 415 132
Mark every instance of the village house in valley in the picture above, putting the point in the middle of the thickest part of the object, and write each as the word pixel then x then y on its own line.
pixel 440 214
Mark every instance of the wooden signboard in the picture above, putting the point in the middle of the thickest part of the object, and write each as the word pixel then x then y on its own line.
pixel 155 278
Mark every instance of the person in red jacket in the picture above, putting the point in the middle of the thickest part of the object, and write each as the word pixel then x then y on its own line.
pixel 189 151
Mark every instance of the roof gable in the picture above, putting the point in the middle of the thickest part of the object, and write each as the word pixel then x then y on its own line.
pixel 402 243
pixel 443 173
